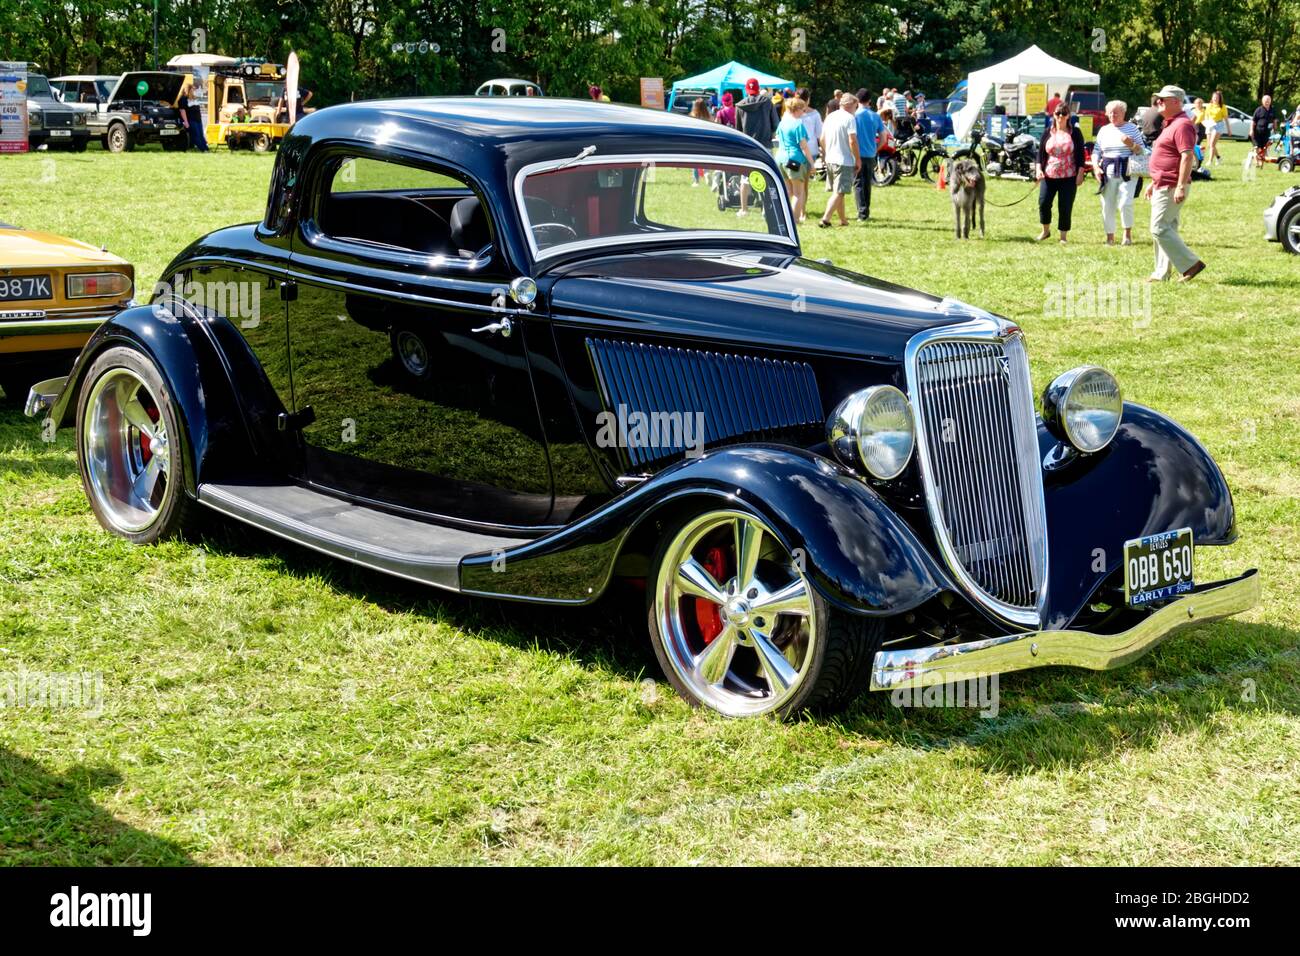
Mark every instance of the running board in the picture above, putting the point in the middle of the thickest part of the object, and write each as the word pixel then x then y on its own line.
pixel 411 549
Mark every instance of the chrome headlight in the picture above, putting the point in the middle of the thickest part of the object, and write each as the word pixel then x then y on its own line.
pixel 1083 407
pixel 79 119
pixel 35 120
pixel 873 429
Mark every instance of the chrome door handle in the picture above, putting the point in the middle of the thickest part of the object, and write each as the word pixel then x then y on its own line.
pixel 504 327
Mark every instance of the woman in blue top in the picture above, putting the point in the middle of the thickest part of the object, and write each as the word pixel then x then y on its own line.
pixel 794 155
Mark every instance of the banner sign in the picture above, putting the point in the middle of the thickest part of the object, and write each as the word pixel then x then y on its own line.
pixel 13 107
pixel 1085 125
pixel 1008 97
pixel 1035 98
pixel 652 92
pixel 199 97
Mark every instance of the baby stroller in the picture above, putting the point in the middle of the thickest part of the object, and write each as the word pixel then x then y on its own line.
pixel 725 188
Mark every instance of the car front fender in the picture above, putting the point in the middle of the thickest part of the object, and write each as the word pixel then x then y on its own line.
pixel 1154 476
pixel 858 553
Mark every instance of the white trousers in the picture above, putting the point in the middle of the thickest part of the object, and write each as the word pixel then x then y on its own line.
pixel 1117 197
pixel 1171 251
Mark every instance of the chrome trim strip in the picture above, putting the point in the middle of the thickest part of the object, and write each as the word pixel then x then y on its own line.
pixel 52 326
pixel 282 272
pixel 925 666
pixel 982 327
pixel 642 159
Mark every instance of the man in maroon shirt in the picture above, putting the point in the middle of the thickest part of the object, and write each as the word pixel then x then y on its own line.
pixel 1170 165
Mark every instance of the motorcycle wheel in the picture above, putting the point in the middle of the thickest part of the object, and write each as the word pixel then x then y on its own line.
pixel 931 163
pixel 886 172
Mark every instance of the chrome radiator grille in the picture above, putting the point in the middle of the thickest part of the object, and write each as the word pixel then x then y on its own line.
pixel 979 455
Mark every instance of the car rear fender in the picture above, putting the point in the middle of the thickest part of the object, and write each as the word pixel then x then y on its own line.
pixel 199 356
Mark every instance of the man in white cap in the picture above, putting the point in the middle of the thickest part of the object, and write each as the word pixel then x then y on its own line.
pixel 1172 158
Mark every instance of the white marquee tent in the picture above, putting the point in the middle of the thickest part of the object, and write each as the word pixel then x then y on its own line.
pixel 1031 66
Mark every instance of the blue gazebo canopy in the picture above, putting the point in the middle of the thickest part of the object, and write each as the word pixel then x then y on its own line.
pixel 731 75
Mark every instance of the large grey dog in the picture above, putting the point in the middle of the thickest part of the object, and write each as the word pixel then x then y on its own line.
pixel 966 183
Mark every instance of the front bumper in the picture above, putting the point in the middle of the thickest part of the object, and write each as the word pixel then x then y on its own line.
pixel 42 396
pixel 922 667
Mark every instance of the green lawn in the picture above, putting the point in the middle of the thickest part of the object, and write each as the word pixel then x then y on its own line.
pixel 265 705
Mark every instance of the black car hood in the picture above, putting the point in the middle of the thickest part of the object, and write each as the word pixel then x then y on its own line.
pixel 778 301
pixel 163 87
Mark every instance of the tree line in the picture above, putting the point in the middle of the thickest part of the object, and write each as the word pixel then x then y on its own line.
pixel 354 49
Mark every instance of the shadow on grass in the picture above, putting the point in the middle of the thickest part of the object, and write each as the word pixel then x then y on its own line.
pixel 1062 717
pixel 49 819
pixel 609 634
pixel 23 453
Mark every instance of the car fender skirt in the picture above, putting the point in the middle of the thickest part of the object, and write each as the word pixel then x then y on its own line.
pixel 859 554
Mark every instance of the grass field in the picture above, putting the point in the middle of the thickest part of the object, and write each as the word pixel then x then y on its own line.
pixel 262 704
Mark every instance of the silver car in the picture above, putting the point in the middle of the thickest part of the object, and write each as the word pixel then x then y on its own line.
pixel 1282 220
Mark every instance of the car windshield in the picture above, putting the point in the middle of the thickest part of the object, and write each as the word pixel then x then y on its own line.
pixel 602 202
pixel 1088 101
pixel 266 92
pixel 38 88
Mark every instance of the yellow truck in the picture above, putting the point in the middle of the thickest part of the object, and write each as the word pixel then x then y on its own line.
pixel 243 97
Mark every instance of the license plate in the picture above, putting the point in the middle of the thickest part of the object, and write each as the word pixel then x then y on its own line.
pixel 1158 567
pixel 22 288
pixel 168 132
pixel 60 132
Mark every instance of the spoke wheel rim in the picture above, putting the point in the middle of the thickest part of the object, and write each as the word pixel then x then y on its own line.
pixel 761 655
pixel 126 450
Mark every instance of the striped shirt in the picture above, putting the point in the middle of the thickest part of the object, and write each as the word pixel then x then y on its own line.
pixel 1110 140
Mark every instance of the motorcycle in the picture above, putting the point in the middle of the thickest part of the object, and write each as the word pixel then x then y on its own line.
pixel 1015 158
pixel 887 168
pixel 921 153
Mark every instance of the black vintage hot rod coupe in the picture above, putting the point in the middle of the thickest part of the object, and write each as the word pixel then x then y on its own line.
pixel 519 350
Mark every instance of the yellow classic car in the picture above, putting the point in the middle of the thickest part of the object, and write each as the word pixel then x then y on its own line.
pixel 54 292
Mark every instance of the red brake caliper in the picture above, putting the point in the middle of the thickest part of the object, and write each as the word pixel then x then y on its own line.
pixel 145 453
pixel 708 616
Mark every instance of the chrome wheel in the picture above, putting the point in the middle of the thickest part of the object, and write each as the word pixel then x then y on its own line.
pixel 412 353
pixel 735 614
pixel 127 451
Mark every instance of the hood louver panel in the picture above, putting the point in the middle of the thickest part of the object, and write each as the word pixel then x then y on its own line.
pixel 662 399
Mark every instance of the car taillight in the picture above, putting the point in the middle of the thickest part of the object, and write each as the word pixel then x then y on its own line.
pixel 97 284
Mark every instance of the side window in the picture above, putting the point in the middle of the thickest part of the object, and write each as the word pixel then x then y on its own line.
pixel 234 95
pixel 392 207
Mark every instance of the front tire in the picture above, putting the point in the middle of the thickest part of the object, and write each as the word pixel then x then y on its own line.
pixel 117 140
pixel 1289 229
pixel 132 448
pixel 738 627
pixel 930 166
pixel 886 172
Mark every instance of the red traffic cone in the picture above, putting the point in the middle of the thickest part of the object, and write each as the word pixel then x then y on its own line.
pixel 942 184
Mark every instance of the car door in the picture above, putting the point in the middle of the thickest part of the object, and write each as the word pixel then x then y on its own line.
pixel 411 382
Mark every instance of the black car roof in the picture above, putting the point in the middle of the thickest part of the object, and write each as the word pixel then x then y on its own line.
pixel 494 137
pixel 531 125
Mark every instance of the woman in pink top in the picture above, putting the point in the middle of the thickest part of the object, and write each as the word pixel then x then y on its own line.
pixel 1060 171
pixel 727 112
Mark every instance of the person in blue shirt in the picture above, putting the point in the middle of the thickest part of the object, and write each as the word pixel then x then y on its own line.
pixel 795 156
pixel 869 127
